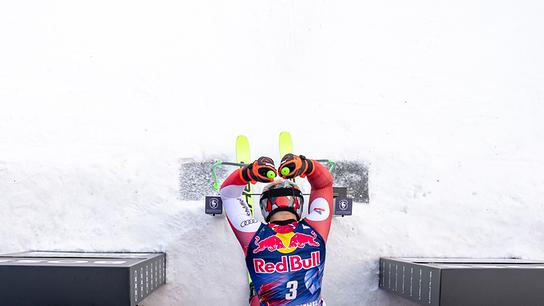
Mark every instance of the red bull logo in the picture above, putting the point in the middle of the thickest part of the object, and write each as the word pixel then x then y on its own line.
pixel 285 243
pixel 287 264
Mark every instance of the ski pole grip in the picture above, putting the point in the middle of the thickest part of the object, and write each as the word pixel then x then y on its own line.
pixel 271 174
pixel 216 164
pixel 332 165
pixel 285 171
pixel 330 162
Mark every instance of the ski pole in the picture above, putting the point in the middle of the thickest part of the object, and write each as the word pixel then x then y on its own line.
pixel 332 163
pixel 218 163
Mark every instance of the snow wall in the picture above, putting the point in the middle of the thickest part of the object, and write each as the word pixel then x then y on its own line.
pixel 101 100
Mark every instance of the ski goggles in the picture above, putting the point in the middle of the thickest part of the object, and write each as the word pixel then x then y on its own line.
pixel 289 199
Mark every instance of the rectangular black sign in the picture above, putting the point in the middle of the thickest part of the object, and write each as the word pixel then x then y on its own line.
pixel 214 205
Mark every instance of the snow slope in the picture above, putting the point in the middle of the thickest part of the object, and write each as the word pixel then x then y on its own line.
pixel 100 101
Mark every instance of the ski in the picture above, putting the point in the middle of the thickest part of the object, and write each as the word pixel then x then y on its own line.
pixel 243 155
pixel 286 145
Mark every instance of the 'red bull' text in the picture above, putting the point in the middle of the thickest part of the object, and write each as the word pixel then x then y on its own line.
pixel 287 264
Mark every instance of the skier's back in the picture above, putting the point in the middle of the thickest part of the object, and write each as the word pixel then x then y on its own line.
pixel 285 256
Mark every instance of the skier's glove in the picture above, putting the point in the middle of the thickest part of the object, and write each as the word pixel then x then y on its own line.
pixel 261 170
pixel 295 165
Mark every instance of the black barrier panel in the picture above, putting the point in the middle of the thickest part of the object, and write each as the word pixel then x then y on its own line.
pixel 79 279
pixel 464 281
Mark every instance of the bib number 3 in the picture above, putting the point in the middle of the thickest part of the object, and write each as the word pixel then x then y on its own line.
pixel 292 294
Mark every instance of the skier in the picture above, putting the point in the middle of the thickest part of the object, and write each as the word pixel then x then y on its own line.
pixel 286 255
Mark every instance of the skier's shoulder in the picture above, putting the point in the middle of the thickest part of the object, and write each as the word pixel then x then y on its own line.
pixel 305 224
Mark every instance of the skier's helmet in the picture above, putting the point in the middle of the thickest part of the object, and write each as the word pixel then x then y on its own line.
pixel 281 195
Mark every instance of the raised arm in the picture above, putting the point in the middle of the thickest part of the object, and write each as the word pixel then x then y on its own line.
pixel 321 198
pixel 238 213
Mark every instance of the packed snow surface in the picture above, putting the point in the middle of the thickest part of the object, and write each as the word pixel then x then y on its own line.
pixel 101 101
